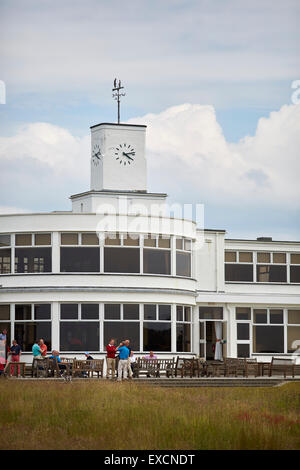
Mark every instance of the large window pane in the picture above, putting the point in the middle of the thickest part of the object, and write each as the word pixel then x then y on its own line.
pixel 121 331
pixel 79 259
pixel 210 313
pixel 157 336
pixel 112 311
pixel 268 339
pixel 131 311
pixel 243 350
pixel 157 261
pixel 23 312
pixel 243 313
pixel 121 260
pixel 42 311
pixel 5 261
pixel 90 311
pixel 295 273
pixel 183 337
pixel 183 264
pixel 69 311
pixel 33 260
pixel 293 338
pixel 79 336
pixel 271 273
pixel 239 272
pixel 243 331
pixel 5 312
pixel 27 333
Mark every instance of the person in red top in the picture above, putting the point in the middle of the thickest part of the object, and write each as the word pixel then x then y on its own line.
pixel 43 347
pixel 111 359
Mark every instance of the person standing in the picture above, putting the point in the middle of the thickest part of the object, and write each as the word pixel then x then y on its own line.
pixel 43 347
pixel 127 342
pixel 123 361
pixel 15 352
pixel 36 350
pixel 111 359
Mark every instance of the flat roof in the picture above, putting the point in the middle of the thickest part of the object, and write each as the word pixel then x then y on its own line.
pixel 116 124
pixel 260 241
pixel 113 191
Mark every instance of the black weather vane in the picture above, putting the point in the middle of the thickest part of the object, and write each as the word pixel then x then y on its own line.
pixel 117 95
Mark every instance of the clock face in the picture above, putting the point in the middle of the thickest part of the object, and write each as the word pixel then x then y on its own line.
pixel 96 154
pixel 124 154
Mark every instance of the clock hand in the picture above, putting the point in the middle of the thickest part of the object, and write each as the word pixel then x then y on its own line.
pixel 127 155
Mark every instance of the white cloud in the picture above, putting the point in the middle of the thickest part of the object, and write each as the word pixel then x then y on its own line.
pixel 188 154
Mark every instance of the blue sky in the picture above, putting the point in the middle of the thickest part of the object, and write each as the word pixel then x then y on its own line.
pixel 58 60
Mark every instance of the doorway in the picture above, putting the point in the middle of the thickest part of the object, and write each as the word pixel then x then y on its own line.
pixel 208 339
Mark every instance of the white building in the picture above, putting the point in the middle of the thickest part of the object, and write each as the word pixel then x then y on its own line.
pixel 119 265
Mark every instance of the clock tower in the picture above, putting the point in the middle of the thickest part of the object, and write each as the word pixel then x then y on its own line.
pixel 118 160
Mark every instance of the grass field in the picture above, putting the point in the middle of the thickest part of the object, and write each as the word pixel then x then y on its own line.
pixel 97 415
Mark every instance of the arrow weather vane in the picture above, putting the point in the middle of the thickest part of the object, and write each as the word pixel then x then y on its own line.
pixel 117 95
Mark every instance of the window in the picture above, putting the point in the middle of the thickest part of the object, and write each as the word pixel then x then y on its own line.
pixel 121 260
pixel 157 336
pixel 28 332
pixel 79 259
pixel 164 312
pixel 183 257
pixel 33 260
pixel 239 272
pixel 295 274
pixel 295 258
pixel 293 338
pixel 243 313
pixel 112 239
pixel 42 239
pixel 230 256
pixel 260 316
pixel 5 261
pixel 294 317
pixel 4 240
pixel 279 258
pixel 271 273
pixel 243 331
pixel 157 261
pixel 131 239
pixel 89 311
pixel 263 257
pixel 4 312
pixel 150 312
pixel 183 264
pixel 79 336
pixel 276 316
pixel 243 350
pixel 69 239
pixel 245 257
pixel 23 312
pixel 112 312
pixel 157 312
pixel 210 313
pixel 69 311
pixel 24 239
pixel 6 326
pixel 183 328
pixel 89 239
pixel 183 337
pixel 121 331
pixel 131 311
pixel 42 311
pixel 268 339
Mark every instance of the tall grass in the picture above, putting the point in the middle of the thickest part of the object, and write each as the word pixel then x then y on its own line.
pixel 100 415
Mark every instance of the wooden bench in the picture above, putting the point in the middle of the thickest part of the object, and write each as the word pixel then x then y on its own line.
pixel 251 365
pixel 95 367
pixel 214 368
pixel 166 366
pixel 147 366
pixel 234 366
pixel 283 365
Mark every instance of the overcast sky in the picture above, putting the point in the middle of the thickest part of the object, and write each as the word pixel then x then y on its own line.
pixel 211 79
